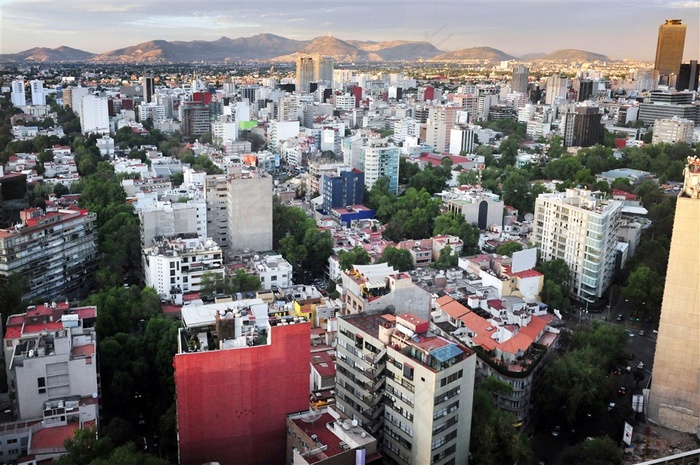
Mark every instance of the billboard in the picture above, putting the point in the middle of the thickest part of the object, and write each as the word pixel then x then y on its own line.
pixel 627 435
pixel 524 260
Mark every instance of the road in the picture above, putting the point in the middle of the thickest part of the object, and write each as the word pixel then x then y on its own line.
pixel 642 348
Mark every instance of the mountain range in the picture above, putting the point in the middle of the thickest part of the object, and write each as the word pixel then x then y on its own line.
pixel 274 48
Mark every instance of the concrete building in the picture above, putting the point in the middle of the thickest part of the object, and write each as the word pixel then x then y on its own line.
pixel 669 47
pixel 305 73
pixel 195 118
pixel 94 115
pixel 38 95
pixel 174 265
pixel 673 401
pixel 53 379
pixel 582 127
pixel 369 288
pixel 557 88
pixel 273 271
pixel 250 211
pixel 322 437
pixel 55 251
pixel 280 131
pixel 18 93
pixel 149 88
pixel 260 367
pixel 167 218
pixel 380 159
pixel 520 79
pixel 478 206
pixel 581 229
pixel 151 110
pixel 673 130
pixel 347 187
pixel 216 199
pixel 407 385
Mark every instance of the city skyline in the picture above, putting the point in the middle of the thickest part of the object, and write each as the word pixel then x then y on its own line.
pixel 542 26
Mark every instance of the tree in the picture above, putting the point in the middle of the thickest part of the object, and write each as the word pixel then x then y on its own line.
pixel 84 447
pixel 355 256
pixel 494 439
pixel 644 289
pixel 597 451
pixel 59 190
pixel 12 289
pixel 575 383
pixel 400 259
pixel 556 148
pixel 508 248
pixel 469 177
pixel 446 260
pixel 557 276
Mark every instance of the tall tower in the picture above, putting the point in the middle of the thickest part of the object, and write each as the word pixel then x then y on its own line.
pixel 520 79
pixel 669 47
pixel 305 73
pixel 148 84
pixel 674 401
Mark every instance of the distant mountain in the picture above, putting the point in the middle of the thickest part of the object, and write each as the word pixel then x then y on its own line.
pixel 399 50
pixel 43 54
pixel 259 47
pixel 532 56
pixel 474 53
pixel 340 50
pixel 569 54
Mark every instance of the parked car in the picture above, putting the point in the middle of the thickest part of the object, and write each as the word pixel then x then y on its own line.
pixel 622 391
pixel 556 431
pixel 620 317
pixel 641 365
pixel 641 332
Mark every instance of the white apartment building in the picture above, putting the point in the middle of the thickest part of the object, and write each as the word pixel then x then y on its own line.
pixel 378 159
pixel 274 271
pixel 279 131
pixel 344 102
pixel 672 130
pixel 476 205
pixel 38 95
pixel 462 139
pixel 76 97
pixel 94 115
pixel 165 218
pixel 174 266
pixel 216 198
pixel 151 110
pixel 106 145
pixel 406 384
pixel 581 229
pixel 18 95
pixel 250 211
pixel 222 131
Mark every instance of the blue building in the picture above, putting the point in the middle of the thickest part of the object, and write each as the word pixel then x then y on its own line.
pixel 347 188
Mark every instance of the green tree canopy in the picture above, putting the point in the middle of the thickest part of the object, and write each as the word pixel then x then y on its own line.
pixel 508 248
pixel 400 259
pixel 355 256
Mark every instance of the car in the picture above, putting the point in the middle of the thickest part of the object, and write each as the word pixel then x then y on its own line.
pixel 617 371
pixel 611 406
pixel 620 317
pixel 631 334
pixel 640 366
pixel 542 461
pixel 556 431
pixel 641 332
pixel 622 391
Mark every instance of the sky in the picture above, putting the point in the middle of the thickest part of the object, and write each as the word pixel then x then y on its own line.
pixel 618 29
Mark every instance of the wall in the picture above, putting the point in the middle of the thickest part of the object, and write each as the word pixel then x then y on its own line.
pixel 232 404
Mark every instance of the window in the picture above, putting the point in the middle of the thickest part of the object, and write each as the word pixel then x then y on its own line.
pixel 41 383
pixel 407 371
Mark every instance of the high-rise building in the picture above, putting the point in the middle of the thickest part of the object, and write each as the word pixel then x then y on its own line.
pixel 38 95
pixel 323 70
pixel 669 47
pixel 407 385
pixel 347 187
pixel 165 218
pixel 582 127
pixel 520 79
pixel 18 96
pixel 557 87
pixel 674 401
pixel 56 252
pixel 148 83
pixel 195 118
pixel 688 76
pixel 250 211
pixel 94 115
pixel 580 229
pixel 673 130
pixel 305 73
pixel 238 373
pixel 378 159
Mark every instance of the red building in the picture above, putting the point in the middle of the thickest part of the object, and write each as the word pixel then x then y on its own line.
pixel 232 404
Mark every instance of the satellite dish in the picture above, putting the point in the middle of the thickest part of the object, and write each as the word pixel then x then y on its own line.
pixel 137 89
pixel 354 422
pixel 311 417
pixel 529 217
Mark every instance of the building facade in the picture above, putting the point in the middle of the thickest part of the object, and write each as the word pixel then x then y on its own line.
pixel 94 114
pixel 580 229
pixel 380 159
pixel 55 251
pixel 346 188
pixel 250 211
pixel 673 399
pixel 233 395
pixel 669 47
pixel 672 130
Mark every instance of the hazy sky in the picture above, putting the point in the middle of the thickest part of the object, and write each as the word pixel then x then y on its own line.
pixel 619 29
